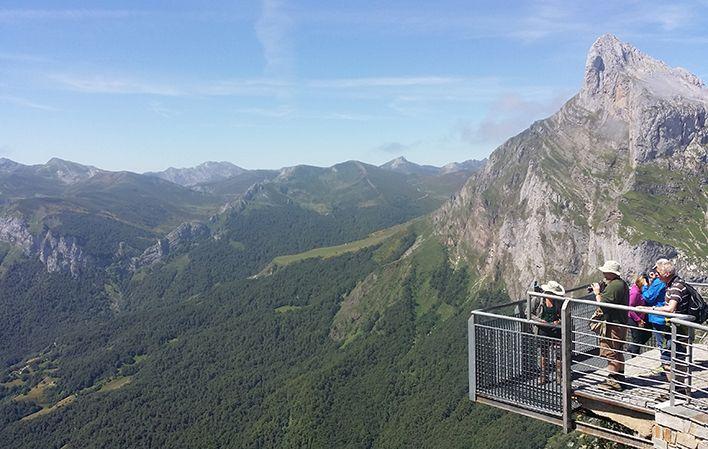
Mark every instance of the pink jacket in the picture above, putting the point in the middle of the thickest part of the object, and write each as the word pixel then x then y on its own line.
pixel 635 299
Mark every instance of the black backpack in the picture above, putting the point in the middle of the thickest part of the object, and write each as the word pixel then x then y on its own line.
pixel 696 305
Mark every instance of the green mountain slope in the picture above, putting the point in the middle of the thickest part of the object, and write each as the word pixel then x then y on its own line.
pixel 253 363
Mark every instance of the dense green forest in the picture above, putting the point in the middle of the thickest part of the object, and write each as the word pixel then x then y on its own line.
pixel 250 363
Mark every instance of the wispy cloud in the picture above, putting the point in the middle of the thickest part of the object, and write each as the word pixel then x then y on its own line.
pixel 281 111
pixel 527 22
pixel 114 85
pixel 127 85
pixel 347 83
pixel 14 15
pixel 265 87
pixel 163 111
pixel 273 30
pixel 25 103
pixel 508 115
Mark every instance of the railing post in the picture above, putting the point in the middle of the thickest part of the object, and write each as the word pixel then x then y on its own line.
pixel 471 358
pixel 567 354
pixel 689 357
pixel 672 383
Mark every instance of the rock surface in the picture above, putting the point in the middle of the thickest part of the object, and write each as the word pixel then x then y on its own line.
pixel 183 235
pixel 550 201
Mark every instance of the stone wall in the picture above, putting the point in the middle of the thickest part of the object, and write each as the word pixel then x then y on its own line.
pixel 680 427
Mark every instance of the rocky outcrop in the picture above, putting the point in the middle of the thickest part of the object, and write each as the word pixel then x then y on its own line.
pixel 62 253
pixel 14 230
pixel 183 236
pixel 242 201
pixel 57 253
pixel 550 201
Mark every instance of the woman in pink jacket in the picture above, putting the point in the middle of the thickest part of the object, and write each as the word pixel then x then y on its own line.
pixel 640 332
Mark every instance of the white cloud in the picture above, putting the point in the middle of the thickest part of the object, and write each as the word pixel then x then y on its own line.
pixel 114 85
pixel 25 103
pixel 510 114
pixel 106 84
pixel 273 31
pixel 160 109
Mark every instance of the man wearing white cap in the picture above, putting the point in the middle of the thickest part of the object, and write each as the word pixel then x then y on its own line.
pixel 616 292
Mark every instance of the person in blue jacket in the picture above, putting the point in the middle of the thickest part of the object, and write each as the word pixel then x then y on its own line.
pixel 654 295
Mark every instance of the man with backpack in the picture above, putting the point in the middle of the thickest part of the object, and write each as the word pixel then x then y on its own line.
pixel 683 299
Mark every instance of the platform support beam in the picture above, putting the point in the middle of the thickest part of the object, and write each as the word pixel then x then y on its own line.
pixel 566 360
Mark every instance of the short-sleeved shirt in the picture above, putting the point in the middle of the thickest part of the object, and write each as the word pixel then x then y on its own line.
pixel 617 293
pixel 678 292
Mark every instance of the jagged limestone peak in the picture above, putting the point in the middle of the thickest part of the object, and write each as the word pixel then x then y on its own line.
pixel 594 181
pixel 616 71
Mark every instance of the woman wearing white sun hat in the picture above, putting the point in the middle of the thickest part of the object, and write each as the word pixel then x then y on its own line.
pixel 549 311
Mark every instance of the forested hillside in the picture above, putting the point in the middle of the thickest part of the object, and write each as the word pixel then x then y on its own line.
pixel 255 363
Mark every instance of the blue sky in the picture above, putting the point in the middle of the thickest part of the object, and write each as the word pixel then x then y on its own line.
pixel 143 85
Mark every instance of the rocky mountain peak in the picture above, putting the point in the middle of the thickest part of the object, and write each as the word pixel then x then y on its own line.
pixel 68 172
pixel 616 71
pixel 210 171
pixel 594 181
pixel 7 165
pixel 403 165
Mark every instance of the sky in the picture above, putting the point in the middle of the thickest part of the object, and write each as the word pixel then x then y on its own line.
pixel 144 85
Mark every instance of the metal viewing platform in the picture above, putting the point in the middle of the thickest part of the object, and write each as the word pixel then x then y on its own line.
pixel 515 367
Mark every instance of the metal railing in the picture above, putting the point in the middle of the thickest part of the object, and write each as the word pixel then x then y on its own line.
pixel 519 361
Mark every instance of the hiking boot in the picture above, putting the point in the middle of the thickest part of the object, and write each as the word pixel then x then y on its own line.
pixel 610 384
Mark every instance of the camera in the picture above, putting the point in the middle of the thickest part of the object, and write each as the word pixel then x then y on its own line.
pixel 602 287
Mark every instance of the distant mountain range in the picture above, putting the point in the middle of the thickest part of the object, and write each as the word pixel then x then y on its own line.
pixel 45 208
pixel 210 172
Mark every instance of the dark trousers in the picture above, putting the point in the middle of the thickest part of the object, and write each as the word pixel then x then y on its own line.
pixel 638 336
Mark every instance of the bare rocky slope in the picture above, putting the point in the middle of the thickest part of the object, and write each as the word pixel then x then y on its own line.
pixel 618 172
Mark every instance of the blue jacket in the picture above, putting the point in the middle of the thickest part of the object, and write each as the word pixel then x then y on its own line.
pixel 654 295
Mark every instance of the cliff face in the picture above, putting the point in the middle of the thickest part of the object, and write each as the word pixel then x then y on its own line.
pixel 57 253
pixel 619 172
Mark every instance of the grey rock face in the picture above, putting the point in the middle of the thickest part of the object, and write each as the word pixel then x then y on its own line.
pixel 61 253
pixel 547 204
pixel 183 235
pixel 57 253
pixel 14 230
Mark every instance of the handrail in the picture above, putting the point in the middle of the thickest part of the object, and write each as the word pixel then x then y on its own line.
pixel 501 306
pixel 697 284
pixel 615 306
pixel 513 318
pixel 690 324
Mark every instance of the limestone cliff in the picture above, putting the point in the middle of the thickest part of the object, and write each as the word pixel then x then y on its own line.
pixel 618 172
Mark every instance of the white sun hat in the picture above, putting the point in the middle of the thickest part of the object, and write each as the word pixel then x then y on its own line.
pixel 553 287
pixel 611 266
